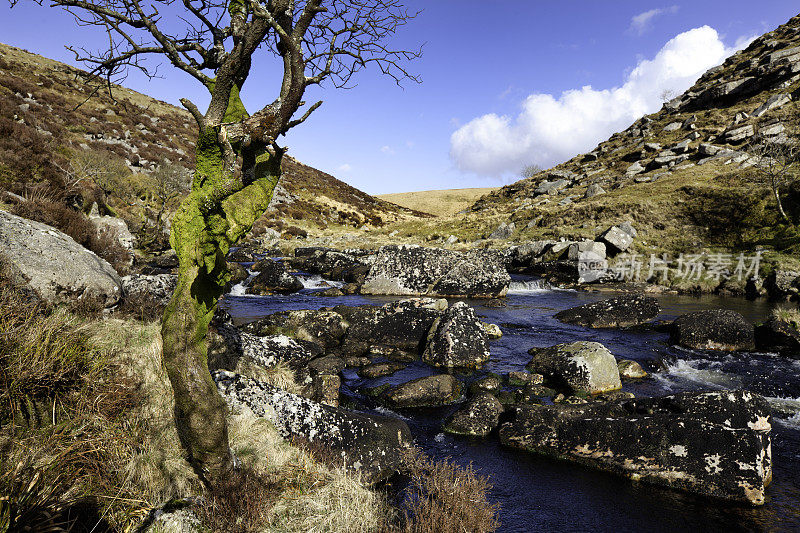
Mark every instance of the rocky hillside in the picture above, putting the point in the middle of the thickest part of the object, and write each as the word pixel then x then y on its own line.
pixel 52 114
pixel 688 177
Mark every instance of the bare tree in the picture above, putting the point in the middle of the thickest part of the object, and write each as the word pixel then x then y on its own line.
pixel 169 181
pixel 237 153
pixel 775 165
pixel 93 167
pixel 528 171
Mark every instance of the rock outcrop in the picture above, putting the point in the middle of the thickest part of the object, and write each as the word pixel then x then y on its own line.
pixel 712 443
pixel 622 311
pixel 715 329
pixel 419 271
pixel 370 444
pixel 55 266
pixel 158 286
pixel 581 366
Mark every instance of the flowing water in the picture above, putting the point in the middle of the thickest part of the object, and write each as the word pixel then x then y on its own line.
pixel 542 494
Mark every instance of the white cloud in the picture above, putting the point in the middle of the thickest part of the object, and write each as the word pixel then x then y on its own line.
pixel 549 130
pixel 641 23
pixel 387 150
pixel 344 168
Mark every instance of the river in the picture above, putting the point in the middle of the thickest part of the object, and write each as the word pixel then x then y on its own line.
pixel 542 494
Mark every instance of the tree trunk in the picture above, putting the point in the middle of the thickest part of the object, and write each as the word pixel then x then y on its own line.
pixel 783 214
pixel 201 237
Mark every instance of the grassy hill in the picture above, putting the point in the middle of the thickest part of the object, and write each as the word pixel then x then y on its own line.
pixel 441 203
pixel 660 175
pixel 54 121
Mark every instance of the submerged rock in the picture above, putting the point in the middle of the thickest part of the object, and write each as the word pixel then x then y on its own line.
pixel 377 370
pixel 414 270
pixel 619 312
pixel 630 370
pixel 370 444
pixel 579 366
pixel 457 339
pixel 53 265
pixel 712 443
pixel 430 391
pixel 715 329
pixel 477 418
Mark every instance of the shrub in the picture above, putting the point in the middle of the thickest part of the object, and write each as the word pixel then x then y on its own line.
pixel 294 231
pixel 443 497
pixel 240 504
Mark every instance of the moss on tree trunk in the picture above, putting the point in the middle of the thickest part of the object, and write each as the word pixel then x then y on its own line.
pixel 203 230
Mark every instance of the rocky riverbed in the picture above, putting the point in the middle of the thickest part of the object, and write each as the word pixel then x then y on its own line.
pixel 391 365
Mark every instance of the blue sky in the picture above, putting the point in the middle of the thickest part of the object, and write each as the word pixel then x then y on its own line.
pixel 505 83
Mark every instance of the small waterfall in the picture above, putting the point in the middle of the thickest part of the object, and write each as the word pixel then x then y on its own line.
pixel 316 282
pixel 240 289
pixel 528 287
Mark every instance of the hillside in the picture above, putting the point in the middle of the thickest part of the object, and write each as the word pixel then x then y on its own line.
pixel 686 176
pixel 54 122
pixel 441 203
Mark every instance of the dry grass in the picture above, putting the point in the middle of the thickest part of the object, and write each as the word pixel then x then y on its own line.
pixel 440 203
pixel 446 498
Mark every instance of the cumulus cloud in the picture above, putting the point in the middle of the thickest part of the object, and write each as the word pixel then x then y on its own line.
pixel 551 129
pixel 642 22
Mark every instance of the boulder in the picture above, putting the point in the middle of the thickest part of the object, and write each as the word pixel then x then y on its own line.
pixel 418 271
pixel 238 273
pixel 396 329
pixel 739 133
pixel 457 339
pixel 779 335
pixel 551 187
pixel 157 286
pixel 616 239
pixel 273 278
pixel 716 329
pixel 116 228
pixel 712 443
pixel 488 383
pixel 370 444
pixel 630 369
pixel 477 418
pixel 320 330
pixel 773 102
pixel 503 231
pixel 783 284
pixel 622 311
pixel 577 366
pixel 430 391
pixel 247 354
pixel 673 126
pixel 594 190
pixel 595 249
pixel 493 331
pixel 636 168
pixel 53 265
pixel 332 264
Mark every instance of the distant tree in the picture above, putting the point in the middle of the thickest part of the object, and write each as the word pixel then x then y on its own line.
pixel 776 166
pixel 667 95
pixel 98 168
pixel 528 171
pixel 169 181
pixel 238 158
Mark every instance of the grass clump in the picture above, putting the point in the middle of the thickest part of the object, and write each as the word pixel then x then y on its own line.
pixel 444 497
pixel 789 315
